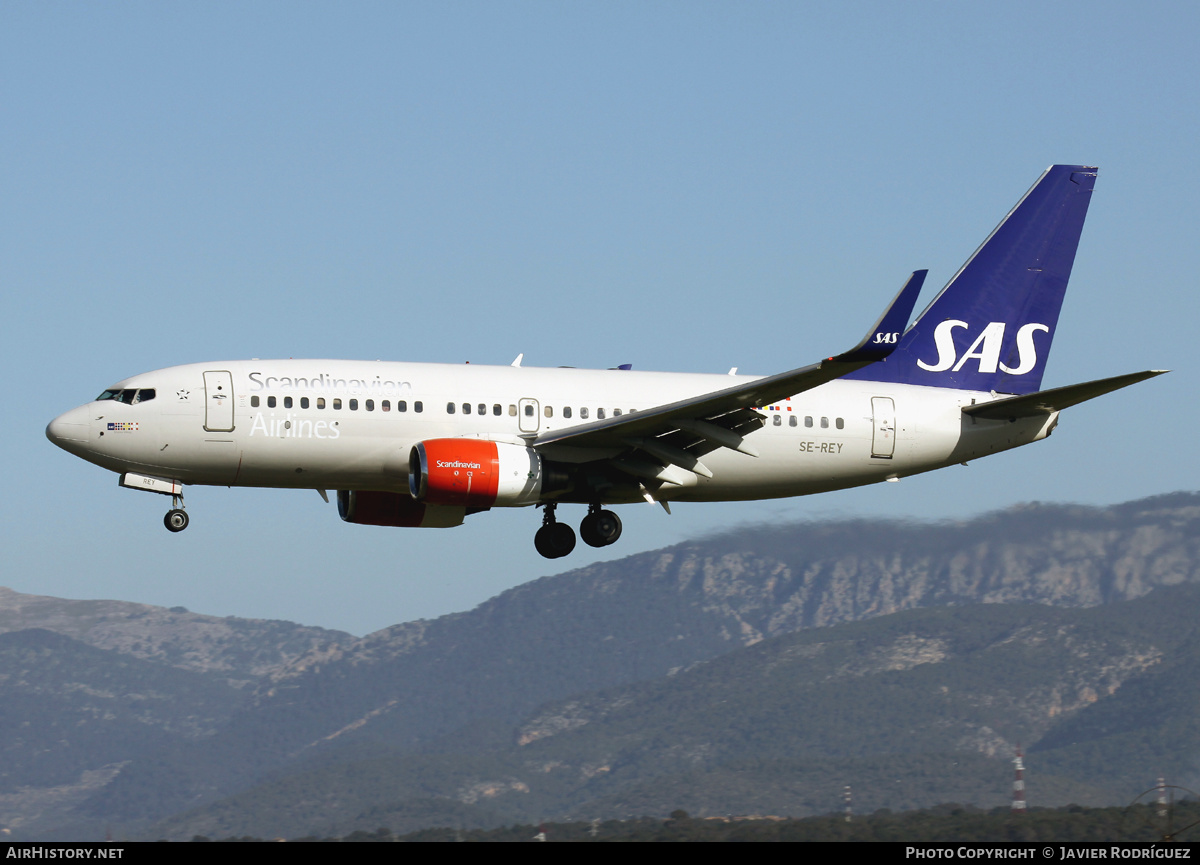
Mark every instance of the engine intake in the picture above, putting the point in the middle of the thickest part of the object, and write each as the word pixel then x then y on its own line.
pixel 475 473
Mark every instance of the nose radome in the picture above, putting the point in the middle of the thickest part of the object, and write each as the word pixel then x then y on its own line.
pixel 70 428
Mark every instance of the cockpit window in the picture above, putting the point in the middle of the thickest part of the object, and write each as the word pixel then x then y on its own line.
pixel 129 395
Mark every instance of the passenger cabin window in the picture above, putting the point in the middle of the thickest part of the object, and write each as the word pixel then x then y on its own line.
pixel 778 421
pixel 808 421
pixel 566 411
pixel 616 412
pixel 320 402
pixel 253 402
pixel 337 404
pixel 287 402
pixel 449 408
pixel 497 410
pixel 401 405
pixel 418 406
pixel 482 408
pixel 548 411
pixel 792 420
pixel 270 402
pixel 466 408
pixel 353 405
pixel 599 414
pixel 583 413
pixel 303 402
pixel 824 423
pixel 370 405
pixel 512 411
pixel 840 424
pixel 386 405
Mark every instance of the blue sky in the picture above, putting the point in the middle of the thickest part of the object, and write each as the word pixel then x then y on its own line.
pixel 681 186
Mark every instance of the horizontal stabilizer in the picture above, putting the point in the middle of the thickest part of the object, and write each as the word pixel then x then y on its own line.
pixel 1055 399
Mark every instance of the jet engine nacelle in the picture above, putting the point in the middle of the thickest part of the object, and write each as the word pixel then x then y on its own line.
pixel 475 473
pixel 377 508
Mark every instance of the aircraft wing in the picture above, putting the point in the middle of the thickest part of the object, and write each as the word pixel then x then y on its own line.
pixel 678 433
pixel 1055 399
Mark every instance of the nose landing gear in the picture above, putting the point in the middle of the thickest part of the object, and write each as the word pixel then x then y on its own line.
pixel 554 539
pixel 176 519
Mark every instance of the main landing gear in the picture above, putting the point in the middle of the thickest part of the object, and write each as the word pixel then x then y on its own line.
pixel 600 528
pixel 555 540
pixel 176 519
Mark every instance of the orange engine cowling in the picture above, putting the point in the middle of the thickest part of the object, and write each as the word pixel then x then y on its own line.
pixel 474 473
pixel 378 508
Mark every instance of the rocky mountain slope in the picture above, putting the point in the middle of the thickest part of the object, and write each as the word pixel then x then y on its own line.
pixel 910 709
pixel 463 683
pixel 647 615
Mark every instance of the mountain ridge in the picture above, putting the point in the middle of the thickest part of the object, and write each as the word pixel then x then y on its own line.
pixel 463 683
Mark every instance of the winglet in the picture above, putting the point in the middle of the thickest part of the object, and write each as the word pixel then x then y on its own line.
pixel 882 339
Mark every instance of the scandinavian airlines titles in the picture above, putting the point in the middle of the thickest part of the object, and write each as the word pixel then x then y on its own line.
pixel 289 427
pixel 322 382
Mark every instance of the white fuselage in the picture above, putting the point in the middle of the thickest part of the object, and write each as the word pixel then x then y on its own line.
pixel 337 424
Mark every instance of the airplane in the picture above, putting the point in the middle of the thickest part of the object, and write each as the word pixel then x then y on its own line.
pixel 427 445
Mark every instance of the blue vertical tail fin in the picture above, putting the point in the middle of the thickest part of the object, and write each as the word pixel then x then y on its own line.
pixel 990 328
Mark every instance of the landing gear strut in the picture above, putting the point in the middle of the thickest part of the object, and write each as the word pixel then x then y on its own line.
pixel 600 527
pixel 554 539
pixel 176 519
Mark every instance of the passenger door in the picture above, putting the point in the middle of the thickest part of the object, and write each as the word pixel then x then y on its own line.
pixel 218 401
pixel 883 439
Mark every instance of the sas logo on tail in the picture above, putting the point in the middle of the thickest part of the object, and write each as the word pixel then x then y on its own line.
pixel 985 348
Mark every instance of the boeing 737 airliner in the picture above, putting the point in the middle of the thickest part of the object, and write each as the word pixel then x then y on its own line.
pixel 409 444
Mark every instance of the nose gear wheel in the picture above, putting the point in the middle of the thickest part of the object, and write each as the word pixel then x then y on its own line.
pixel 176 520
